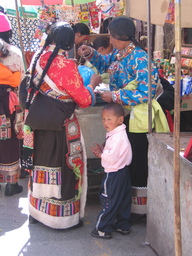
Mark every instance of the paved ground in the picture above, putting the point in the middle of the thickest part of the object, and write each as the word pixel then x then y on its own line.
pixel 18 238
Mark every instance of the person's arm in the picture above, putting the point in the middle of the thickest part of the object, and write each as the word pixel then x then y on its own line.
pixel 101 62
pixel 72 83
pixel 111 153
pixel 138 66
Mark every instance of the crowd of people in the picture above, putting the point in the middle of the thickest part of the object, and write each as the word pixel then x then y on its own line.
pixel 53 146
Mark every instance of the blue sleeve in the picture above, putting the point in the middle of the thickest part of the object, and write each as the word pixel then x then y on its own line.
pixel 136 69
pixel 102 62
pixel 92 95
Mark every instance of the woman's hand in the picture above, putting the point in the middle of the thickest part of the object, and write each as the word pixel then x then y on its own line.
pixel 95 80
pixel 107 96
pixel 84 50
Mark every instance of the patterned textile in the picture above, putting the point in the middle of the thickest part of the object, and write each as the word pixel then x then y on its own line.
pixel 58 184
pixel 28 28
pixel 9 172
pixel 54 207
pixel 71 83
pixel 139 200
pixel 47 175
pixel 9 148
pixel 56 191
pixel 47 90
pixel 131 66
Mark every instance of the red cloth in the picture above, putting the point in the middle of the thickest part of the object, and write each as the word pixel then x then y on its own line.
pixel 169 120
pixel 64 73
pixel 13 101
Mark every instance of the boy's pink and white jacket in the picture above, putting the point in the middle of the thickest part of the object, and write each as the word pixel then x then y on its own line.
pixel 117 152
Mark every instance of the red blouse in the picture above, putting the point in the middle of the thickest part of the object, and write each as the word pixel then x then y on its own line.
pixel 64 73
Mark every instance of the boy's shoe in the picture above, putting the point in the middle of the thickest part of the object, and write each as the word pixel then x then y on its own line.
pixel 100 234
pixel 123 232
pixel 12 189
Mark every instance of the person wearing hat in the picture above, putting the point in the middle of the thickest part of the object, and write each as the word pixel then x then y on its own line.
pixel 128 69
pixel 11 71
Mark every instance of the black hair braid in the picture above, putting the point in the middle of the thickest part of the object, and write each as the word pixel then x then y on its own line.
pixel 54 53
pixel 134 40
pixel 34 67
pixel 35 62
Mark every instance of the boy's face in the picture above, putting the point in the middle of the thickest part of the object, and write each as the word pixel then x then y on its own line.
pixel 110 120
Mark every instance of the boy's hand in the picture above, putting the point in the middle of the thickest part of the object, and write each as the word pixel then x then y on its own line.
pixel 97 150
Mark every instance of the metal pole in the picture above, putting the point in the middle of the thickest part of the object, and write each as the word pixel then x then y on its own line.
pixel 149 66
pixel 20 36
pixel 177 216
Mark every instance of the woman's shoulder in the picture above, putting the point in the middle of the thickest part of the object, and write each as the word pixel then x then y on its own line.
pixel 139 51
pixel 14 50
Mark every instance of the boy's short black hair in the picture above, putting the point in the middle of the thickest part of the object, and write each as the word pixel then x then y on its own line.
pixel 101 41
pixel 117 108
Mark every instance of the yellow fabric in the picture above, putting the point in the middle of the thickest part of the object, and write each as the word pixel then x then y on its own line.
pixel 130 86
pixel 138 121
pixel 104 76
pixel 8 77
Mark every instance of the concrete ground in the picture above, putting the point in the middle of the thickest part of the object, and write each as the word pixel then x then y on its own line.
pixel 19 238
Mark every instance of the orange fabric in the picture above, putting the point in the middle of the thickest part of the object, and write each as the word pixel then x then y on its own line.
pixel 8 77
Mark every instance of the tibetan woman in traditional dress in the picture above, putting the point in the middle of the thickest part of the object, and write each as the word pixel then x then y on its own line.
pixel 53 144
pixel 11 116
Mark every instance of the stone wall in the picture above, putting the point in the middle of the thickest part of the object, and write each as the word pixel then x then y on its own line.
pixel 160 207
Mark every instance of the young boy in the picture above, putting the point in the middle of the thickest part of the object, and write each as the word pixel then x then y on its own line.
pixel 115 192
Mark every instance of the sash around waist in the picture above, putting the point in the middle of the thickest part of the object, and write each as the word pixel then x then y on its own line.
pixel 46 113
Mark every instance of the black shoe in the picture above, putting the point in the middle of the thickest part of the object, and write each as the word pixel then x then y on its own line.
pixel 80 224
pixel 137 218
pixel 12 189
pixel 100 234
pixel 32 220
pixel 123 232
pixel 24 174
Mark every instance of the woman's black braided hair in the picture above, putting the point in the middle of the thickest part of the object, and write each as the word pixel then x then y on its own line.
pixel 62 35
pixel 123 28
